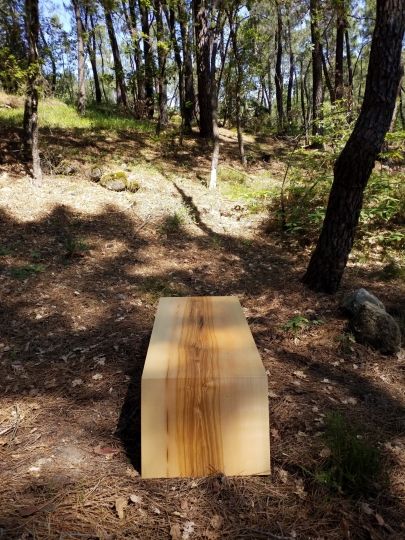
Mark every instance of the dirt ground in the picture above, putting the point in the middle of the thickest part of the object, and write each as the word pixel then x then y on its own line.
pixel 82 269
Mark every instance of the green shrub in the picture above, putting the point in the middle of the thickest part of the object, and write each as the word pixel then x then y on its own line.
pixel 353 465
pixel 172 223
pixel 24 272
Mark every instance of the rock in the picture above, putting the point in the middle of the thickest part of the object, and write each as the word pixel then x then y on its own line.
pixel 115 185
pixel 96 174
pixel 66 168
pixel 373 326
pixel 353 301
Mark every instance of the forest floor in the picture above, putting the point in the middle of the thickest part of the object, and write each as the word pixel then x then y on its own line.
pixel 82 269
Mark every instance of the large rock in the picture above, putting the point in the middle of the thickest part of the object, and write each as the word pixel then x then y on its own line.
pixel 115 185
pixel 373 326
pixel 353 301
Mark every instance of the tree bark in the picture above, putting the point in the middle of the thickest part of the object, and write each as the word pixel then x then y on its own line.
pixel 148 59
pixel 317 92
pixel 51 58
pixel 354 165
pixel 30 131
pixel 81 94
pixel 278 75
pixel 204 68
pixel 233 29
pixel 327 78
pixel 186 39
pixel 91 47
pixel 340 32
pixel 162 56
pixel 119 72
pixel 291 75
pixel 131 19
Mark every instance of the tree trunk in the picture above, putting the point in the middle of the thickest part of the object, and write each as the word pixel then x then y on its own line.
pixel 186 39
pixel 119 72
pixel 327 78
pixel 131 20
pixel 278 75
pixel 401 110
pixel 30 136
pixel 340 32
pixel 204 68
pixel 171 19
pixel 233 29
pixel 162 56
pixel 349 73
pixel 81 95
pixel 91 47
pixel 317 92
pixel 291 75
pixel 148 58
pixel 355 163
pixel 51 58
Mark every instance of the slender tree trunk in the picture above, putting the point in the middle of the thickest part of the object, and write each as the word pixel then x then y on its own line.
pixel 291 75
pixel 148 59
pixel 214 109
pixel 233 28
pixel 349 74
pixel 30 137
pixel 186 39
pixel 278 76
pixel 52 59
pixel 327 78
pixel 397 104
pixel 355 163
pixel 131 20
pixel 162 55
pixel 204 68
pixel 171 20
pixel 401 109
pixel 340 32
pixel 81 95
pixel 317 92
pixel 91 47
pixel 119 72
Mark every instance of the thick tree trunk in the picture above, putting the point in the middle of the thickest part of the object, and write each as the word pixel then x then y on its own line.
pixel 340 32
pixel 186 39
pixel 81 94
pixel 162 55
pixel 204 68
pixel 91 47
pixel 148 58
pixel 317 92
pixel 278 75
pixel 355 163
pixel 119 72
pixel 30 135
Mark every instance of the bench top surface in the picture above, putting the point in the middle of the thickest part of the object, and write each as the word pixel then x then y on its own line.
pixel 202 337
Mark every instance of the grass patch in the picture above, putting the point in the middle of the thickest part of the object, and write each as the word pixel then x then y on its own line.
pixel 24 272
pixel 172 224
pixel 75 247
pixel 156 287
pixel 54 113
pixel 354 465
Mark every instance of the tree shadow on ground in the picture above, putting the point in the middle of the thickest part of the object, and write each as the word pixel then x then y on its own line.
pixel 92 314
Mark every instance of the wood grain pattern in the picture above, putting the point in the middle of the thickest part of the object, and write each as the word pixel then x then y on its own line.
pixel 204 392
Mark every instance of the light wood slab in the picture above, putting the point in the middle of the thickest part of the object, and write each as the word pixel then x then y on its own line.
pixel 204 392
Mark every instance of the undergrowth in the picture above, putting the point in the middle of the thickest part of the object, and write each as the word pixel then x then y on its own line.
pixel 354 465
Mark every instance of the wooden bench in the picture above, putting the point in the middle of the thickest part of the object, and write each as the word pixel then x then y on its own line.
pixel 204 392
